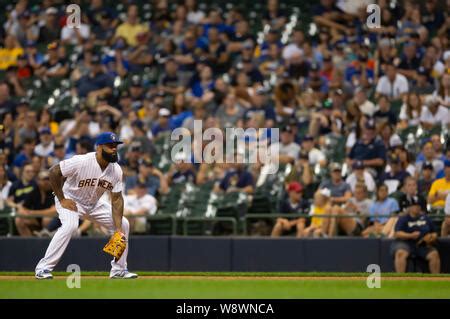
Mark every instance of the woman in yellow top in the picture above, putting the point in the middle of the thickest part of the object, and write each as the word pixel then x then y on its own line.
pixel 9 54
pixel 321 206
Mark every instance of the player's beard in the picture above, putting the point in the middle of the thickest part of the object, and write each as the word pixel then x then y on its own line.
pixel 111 158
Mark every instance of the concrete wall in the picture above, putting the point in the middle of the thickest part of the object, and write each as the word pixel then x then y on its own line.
pixel 163 253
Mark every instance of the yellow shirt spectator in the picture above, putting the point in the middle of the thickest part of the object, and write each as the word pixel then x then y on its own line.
pixel 315 211
pixel 8 57
pixel 440 185
pixel 130 31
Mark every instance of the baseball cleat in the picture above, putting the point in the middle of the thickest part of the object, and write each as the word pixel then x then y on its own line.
pixel 124 274
pixel 44 274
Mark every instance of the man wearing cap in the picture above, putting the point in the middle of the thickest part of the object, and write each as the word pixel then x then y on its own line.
pixel 369 149
pixel 426 179
pixel 54 65
pixel 315 156
pixel 50 31
pixel 141 204
pixel 288 150
pixel 415 235
pixel 440 188
pixel 292 204
pixel 392 84
pixel 97 83
pixel 79 184
pixel 38 202
pixel 433 113
pixel 339 190
pixel 45 147
pixel 163 122
pixel 397 174
pixel 154 180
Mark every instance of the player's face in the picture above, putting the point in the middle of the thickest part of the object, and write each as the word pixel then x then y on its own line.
pixel 109 152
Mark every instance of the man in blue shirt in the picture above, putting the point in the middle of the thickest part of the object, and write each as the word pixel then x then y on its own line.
pixel 369 149
pixel 416 236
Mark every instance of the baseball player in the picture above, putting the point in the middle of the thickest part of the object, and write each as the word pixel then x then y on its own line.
pixel 78 183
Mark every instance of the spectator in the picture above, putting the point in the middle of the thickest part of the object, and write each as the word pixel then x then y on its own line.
pixel 394 85
pixel 22 187
pixel 53 65
pixel 97 83
pixel 39 202
pixel 182 171
pixel 10 52
pixel 369 149
pixel 315 156
pixel 410 190
pixel 358 205
pixel 131 27
pixel 433 114
pixel 360 176
pixel 440 188
pixel 384 206
pixel 154 180
pixel 396 175
pixel 50 31
pixel 429 156
pixel 410 111
pixel 236 179
pixel 384 113
pixel 340 191
pixel 139 205
pixel 415 236
pixel 46 145
pixel 320 226
pixel 288 150
pixel 426 180
pixel 5 186
pixel 293 204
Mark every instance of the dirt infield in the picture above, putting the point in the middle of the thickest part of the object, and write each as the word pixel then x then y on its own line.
pixel 249 278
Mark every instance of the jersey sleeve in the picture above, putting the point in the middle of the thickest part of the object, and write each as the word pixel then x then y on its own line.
pixel 118 186
pixel 69 166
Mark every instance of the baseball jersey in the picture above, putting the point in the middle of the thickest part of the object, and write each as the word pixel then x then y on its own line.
pixel 86 182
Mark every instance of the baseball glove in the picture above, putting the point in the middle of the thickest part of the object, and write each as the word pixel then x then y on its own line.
pixel 116 245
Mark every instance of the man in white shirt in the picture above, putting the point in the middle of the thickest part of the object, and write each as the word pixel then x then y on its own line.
pixel 366 107
pixel 46 147
pixel 288 149
pixel 315 156
pixel 433 113
pixel 139 204
pixel 393 84
pixel 359 174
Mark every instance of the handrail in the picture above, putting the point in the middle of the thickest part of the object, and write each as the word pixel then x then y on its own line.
pixel 233 221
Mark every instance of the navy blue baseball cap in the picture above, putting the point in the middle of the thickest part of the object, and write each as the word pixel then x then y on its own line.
pixel 106 138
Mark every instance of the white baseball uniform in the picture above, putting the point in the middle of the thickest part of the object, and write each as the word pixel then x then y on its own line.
pixel 85 184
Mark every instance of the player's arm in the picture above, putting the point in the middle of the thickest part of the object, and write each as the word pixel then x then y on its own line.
pixel 117 210
pixel 57 182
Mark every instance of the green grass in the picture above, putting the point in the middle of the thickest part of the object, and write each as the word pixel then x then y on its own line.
pixel 233 274
pixel 190 288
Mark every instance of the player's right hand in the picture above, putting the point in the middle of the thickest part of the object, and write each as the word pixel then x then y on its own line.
pixel 69 204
